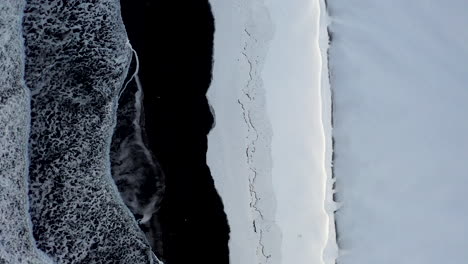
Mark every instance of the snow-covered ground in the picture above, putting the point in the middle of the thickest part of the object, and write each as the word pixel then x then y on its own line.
pixel 269 152
pixel 399 79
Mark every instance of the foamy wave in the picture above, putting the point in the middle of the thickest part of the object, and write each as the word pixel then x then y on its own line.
pixel 77 58
pixel 16 242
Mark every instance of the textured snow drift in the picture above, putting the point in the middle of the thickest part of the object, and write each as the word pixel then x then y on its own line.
pixel 268 151
pixel 77 56
pixel 400 79
pixel 16 242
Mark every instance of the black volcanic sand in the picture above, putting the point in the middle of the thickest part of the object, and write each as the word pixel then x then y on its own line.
pixel 174 41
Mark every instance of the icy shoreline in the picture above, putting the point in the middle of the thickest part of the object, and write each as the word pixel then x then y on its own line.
pixel 288 70
pixel 243 175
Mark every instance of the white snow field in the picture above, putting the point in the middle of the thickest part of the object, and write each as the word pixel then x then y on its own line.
pixel 270 151
pixel 400 85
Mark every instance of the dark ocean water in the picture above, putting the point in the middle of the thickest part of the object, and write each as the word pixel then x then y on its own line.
pixel 135 170
pixel 174 41
pixel 86 166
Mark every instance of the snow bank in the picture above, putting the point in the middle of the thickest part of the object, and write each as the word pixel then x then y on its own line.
pixel 399 80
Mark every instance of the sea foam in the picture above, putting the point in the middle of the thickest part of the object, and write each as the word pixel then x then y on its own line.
pixel 16 242
pixel 76 60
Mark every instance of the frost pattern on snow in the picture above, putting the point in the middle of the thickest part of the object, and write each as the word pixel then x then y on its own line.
pixel 16 242
pixel 77 58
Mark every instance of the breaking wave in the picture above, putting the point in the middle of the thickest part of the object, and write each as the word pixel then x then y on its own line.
pixel 77 58
pixel 16 242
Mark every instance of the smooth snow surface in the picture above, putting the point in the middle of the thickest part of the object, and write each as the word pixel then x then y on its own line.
pixel 268 151
pixel 400 79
